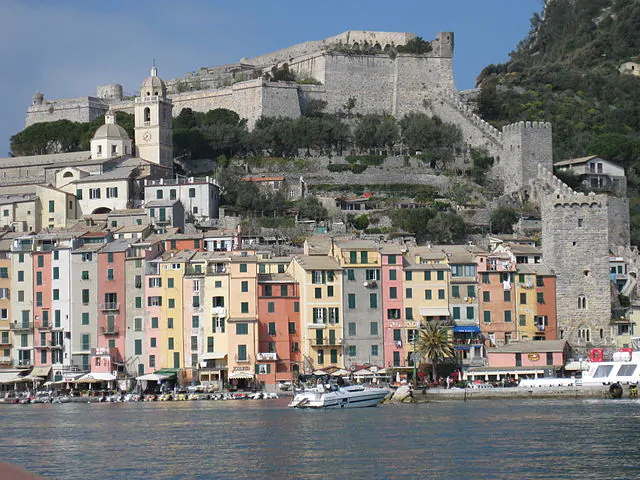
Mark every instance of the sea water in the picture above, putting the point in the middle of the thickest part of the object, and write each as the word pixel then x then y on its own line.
pixel 265 439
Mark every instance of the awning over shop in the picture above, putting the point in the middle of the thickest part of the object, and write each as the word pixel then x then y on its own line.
pixel 466 329
pixel 172 372
pixel 96 377
pixel 7 376
pixel 153 377
pixel 16 379
pixel 214 356
pixel 40 372
pixel 434 311
pixel 241 375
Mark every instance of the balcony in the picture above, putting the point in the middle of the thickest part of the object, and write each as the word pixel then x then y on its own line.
pixel 218 311
pixel 325 341
pixel 110 307
pixel 21 326
pixel 162 221
pixel 24 363
pixel 245 359
pixel 190 270
pixel 110 330
pixel 216 270
pixel 43 326
pixel 267 356
pixel 5 361
pixel 55 346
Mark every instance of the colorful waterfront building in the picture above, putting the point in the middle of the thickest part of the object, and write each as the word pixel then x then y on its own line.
pixel 393 306
pixel 362 295
pixel 194 306
pixel 215 357
pixel 426 296
pixel 22 301
pixel 6 273
pixel 536 303
pixel 243 317
pixel 279 356
pixel 320 310
pixel 497 294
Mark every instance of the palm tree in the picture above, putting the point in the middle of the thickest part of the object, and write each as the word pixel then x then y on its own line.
pixel 434 343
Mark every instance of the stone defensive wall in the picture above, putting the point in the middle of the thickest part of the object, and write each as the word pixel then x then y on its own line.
pixel 351 37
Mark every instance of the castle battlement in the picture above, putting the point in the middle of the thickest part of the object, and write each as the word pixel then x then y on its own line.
pixel 519 126
pixel 456 102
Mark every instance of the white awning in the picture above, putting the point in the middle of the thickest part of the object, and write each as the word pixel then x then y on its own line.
pixel 7 376
pixel 340 373
pixel 434 311
pixel 363 373
pixel 153 377
pixel 241 375
pixel 100 377
pixel 213 356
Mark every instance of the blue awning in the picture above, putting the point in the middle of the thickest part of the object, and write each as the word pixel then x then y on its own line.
pixel 466 329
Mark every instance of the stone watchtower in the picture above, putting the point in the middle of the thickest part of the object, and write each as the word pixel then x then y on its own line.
pixel 525 146
pixel 153 127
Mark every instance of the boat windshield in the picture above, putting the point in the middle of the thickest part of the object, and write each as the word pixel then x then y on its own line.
pixel 627 370
pixel 603 371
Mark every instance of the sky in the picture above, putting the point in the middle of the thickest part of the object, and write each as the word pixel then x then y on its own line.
pixel 65 48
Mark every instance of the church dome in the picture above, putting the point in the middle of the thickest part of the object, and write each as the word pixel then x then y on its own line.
pixel 153 85
pixel 110 129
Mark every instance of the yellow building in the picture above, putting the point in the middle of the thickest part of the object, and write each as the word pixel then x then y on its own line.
pixel 426 293
pixel 57 208
pixel 320 280
pixel 243 317
pixel 171 322
pixel 215 354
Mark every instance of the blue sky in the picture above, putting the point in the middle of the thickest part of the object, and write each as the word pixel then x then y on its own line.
pixel 68 47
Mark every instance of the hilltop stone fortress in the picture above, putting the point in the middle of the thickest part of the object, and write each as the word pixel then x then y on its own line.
pixel 579 231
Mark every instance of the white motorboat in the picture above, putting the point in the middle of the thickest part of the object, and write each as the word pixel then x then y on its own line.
pixel 333 396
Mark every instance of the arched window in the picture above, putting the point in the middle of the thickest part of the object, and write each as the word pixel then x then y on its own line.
pixel 67 174
pixel 147 116
pixel 582 302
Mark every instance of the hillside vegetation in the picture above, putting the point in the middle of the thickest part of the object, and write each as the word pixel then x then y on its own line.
pixel 566 71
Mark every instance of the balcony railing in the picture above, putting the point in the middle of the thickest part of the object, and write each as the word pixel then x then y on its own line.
pixel 24 363
pixel 109 306
pixel 245 359
pixel 5 360
pixel 110 330
pixel 325 341
pixel 21 326
pixel 55 346
pixel 218 311
pixel 43 326
pixel 162 221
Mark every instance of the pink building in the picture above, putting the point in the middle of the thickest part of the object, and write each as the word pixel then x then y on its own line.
pixel 537 354
pixel 45 335
pixel 392 281
pixel 112 298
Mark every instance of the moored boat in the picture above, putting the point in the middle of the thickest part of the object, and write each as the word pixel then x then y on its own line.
pixel 333 396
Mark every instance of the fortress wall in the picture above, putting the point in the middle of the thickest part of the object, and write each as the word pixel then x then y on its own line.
pixel 82 109
pixel 244 98
pixel 419 79
pixel 619 222
pixel 474 130
pixel 351 37
pixel 310 66
pixel 369 79
pixel 280 100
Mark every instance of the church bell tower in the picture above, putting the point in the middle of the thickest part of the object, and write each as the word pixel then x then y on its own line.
pixel 153 128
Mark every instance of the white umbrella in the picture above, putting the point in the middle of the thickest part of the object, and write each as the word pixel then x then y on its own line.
pixel 153 377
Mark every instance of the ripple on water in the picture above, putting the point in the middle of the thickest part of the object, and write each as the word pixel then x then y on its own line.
pixel 247 440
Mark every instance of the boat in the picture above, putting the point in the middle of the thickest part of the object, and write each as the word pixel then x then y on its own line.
pixel 622 369
pixel 333 396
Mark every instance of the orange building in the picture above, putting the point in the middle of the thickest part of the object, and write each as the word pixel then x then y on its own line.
pixel 279 358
